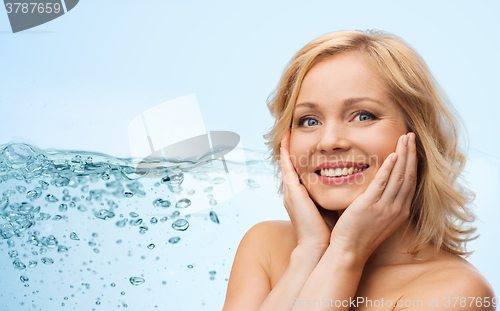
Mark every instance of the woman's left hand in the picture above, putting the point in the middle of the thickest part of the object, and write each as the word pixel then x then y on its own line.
pixel 381 209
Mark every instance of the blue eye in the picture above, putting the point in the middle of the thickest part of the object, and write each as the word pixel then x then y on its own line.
pixel 307 120
pixel 310 121
pixel 365 116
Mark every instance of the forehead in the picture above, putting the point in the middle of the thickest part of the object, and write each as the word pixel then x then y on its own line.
pixel 335 79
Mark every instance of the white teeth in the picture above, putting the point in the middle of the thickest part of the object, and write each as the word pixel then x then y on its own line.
pixel 337 172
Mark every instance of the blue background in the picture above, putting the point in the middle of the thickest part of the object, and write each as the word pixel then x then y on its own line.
pixel 77 81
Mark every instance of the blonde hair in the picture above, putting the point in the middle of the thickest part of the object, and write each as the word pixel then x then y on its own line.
pixel 439 208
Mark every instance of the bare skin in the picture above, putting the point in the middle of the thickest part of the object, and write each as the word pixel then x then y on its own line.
pixel 356 244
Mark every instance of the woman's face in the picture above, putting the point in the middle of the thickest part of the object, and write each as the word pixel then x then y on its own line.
pixel 344 121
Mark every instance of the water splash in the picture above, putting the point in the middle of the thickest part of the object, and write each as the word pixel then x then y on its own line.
pixel 49 196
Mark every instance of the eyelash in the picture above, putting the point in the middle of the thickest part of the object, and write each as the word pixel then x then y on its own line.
pixel 357 113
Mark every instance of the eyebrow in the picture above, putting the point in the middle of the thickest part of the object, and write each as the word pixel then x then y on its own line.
pixel 345 102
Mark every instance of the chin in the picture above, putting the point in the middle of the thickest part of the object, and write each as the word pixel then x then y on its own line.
pixel 334 200
pixel 337 205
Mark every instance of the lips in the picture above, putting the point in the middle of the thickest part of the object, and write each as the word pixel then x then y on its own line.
pixel 351 171
pixel 341 164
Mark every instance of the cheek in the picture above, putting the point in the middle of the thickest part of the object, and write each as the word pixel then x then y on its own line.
pixel 381 148
pixel 298 153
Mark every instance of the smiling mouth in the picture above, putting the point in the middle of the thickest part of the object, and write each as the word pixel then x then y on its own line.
pixel 339 172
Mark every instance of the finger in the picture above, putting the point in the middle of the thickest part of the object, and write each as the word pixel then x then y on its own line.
pixel 288 173
pixel 296 194
pixel 377 185
pixel 398 173
pixel 407 190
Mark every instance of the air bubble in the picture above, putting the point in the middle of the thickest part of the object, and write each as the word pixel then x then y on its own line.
pixel 44 184
pixel 47 260
pixel 122 223
pixel 183 203
pixel 62 249
pixel 51 198
pixel 174 240
pixel 136 281
pixel 161 203
pixel 180 225
pixel 60 181
pixel 34 194
pixel 18 264
pixel 21 189
pixel 214 218
pixel 43 216
pixel 4 202
pixel 136 222
pixel 104 214
pixel 128 194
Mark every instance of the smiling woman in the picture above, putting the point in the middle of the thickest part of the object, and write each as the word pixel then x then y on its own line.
pixel 368 151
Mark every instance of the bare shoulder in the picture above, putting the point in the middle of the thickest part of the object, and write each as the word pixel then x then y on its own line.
pixel 455 283
pixel 250 280
pixel 277 239
pixel 456 272
pixel 278 232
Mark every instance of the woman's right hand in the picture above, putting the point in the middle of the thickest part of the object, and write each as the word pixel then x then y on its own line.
pixel 310 227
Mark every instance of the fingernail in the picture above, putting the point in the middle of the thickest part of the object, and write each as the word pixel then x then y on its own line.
pixel 405 140
pixel 394 158
pixel 412 137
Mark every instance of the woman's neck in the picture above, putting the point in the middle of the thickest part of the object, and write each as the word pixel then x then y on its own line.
pixel 395 249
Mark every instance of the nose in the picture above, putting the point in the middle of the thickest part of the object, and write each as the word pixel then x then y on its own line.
pixel 333 139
